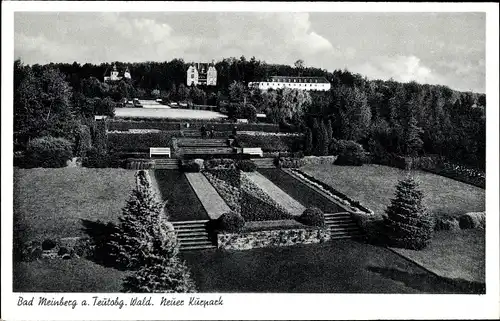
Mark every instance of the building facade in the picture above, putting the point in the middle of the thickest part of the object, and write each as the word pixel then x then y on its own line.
pixel 203 74
pixel 115 75
pixel 302 83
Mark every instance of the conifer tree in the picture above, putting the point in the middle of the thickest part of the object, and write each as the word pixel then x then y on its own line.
pixel 170 277
pixel 408 224
pixel 309 142
pixel 144 235
pixel 413 142
pixel 323 140
pixel 329 132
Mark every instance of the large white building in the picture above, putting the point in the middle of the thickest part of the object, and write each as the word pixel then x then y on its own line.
pixel 115 75
pixel 303 83
pixel 201 74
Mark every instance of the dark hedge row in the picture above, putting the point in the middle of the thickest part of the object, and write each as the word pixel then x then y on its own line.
pixel 270 143
pixel 139 142
pixel 125 125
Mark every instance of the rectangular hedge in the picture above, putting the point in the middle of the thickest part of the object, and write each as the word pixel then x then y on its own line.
pixel 135 124
pixel 139 142
pixel 270 143
pixel 125 125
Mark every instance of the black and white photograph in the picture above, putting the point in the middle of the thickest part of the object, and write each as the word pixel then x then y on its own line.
pixel 202 152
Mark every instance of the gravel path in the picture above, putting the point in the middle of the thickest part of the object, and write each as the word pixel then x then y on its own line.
pixel 211 200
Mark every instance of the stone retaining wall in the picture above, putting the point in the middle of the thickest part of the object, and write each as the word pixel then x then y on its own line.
pixel 272 238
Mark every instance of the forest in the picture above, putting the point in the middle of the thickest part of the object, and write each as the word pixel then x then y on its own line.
pixel 385 117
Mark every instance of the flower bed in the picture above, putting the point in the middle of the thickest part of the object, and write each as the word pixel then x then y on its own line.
pixel 354 206
pixel 229 193
pixel 461 173
pixel 244 197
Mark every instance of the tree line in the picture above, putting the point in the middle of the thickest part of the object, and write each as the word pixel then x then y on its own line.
pixel 383 116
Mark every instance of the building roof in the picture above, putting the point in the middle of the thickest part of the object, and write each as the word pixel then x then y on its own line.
pixel 320 80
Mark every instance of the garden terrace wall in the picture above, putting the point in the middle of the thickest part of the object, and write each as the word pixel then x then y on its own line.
pixel 275 237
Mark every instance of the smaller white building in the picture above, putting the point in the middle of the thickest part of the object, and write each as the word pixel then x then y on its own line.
pixel 192 76
pixel 115 75
pixel 302 83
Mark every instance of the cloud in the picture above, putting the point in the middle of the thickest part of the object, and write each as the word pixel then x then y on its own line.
pixel 399 68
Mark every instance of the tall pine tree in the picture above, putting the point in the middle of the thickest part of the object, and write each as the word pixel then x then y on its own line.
pixel 408 224
pixel 144 236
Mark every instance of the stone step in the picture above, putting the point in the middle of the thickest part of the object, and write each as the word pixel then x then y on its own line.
pixel 343 228
pixel 188 234
pixel 197 247
pixel 194 222
pixel 191 229
pixel 193 238
pixel 196 242
pixel 341 223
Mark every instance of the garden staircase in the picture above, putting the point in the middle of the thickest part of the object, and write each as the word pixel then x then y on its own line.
pixel 203 146
pixel 264 162
pixel 193 235
pixel 166 163
pixel 342 226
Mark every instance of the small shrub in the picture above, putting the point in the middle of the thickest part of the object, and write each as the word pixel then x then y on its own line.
pixel 219 163
pixel 246 165
pixel 312 216
pixel 351 154
pixel 473 220
pixel 48 244
pixel 447 223
pixel 289 162
pixel 49 152
pixel 62 250
pixel 191 167
pixel 231 222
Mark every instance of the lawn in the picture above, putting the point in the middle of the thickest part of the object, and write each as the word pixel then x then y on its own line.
pixel 342 266
pixel 167 113
pixel 374 186
pixel 183 204
pixel 454 255
pixel 75 275
pixel 50 203
pixel 299 191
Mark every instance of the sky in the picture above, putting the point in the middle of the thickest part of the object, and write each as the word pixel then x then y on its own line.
pixel 433 48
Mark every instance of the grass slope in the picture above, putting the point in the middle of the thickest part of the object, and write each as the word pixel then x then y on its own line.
pixel 374 186
pixel 51 202
pixel 299 191
pixel 183 205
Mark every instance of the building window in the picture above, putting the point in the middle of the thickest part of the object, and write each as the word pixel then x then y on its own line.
pixel 192 76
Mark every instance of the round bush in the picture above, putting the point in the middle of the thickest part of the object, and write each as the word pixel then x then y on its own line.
pixel 48 244
pixel 231 222
pixel 49 151
pixel 191 167
pixel 312 216
pixel 473 220
pixel 62 250
pixel 447 224
pixel 246 165
pixel 351 154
